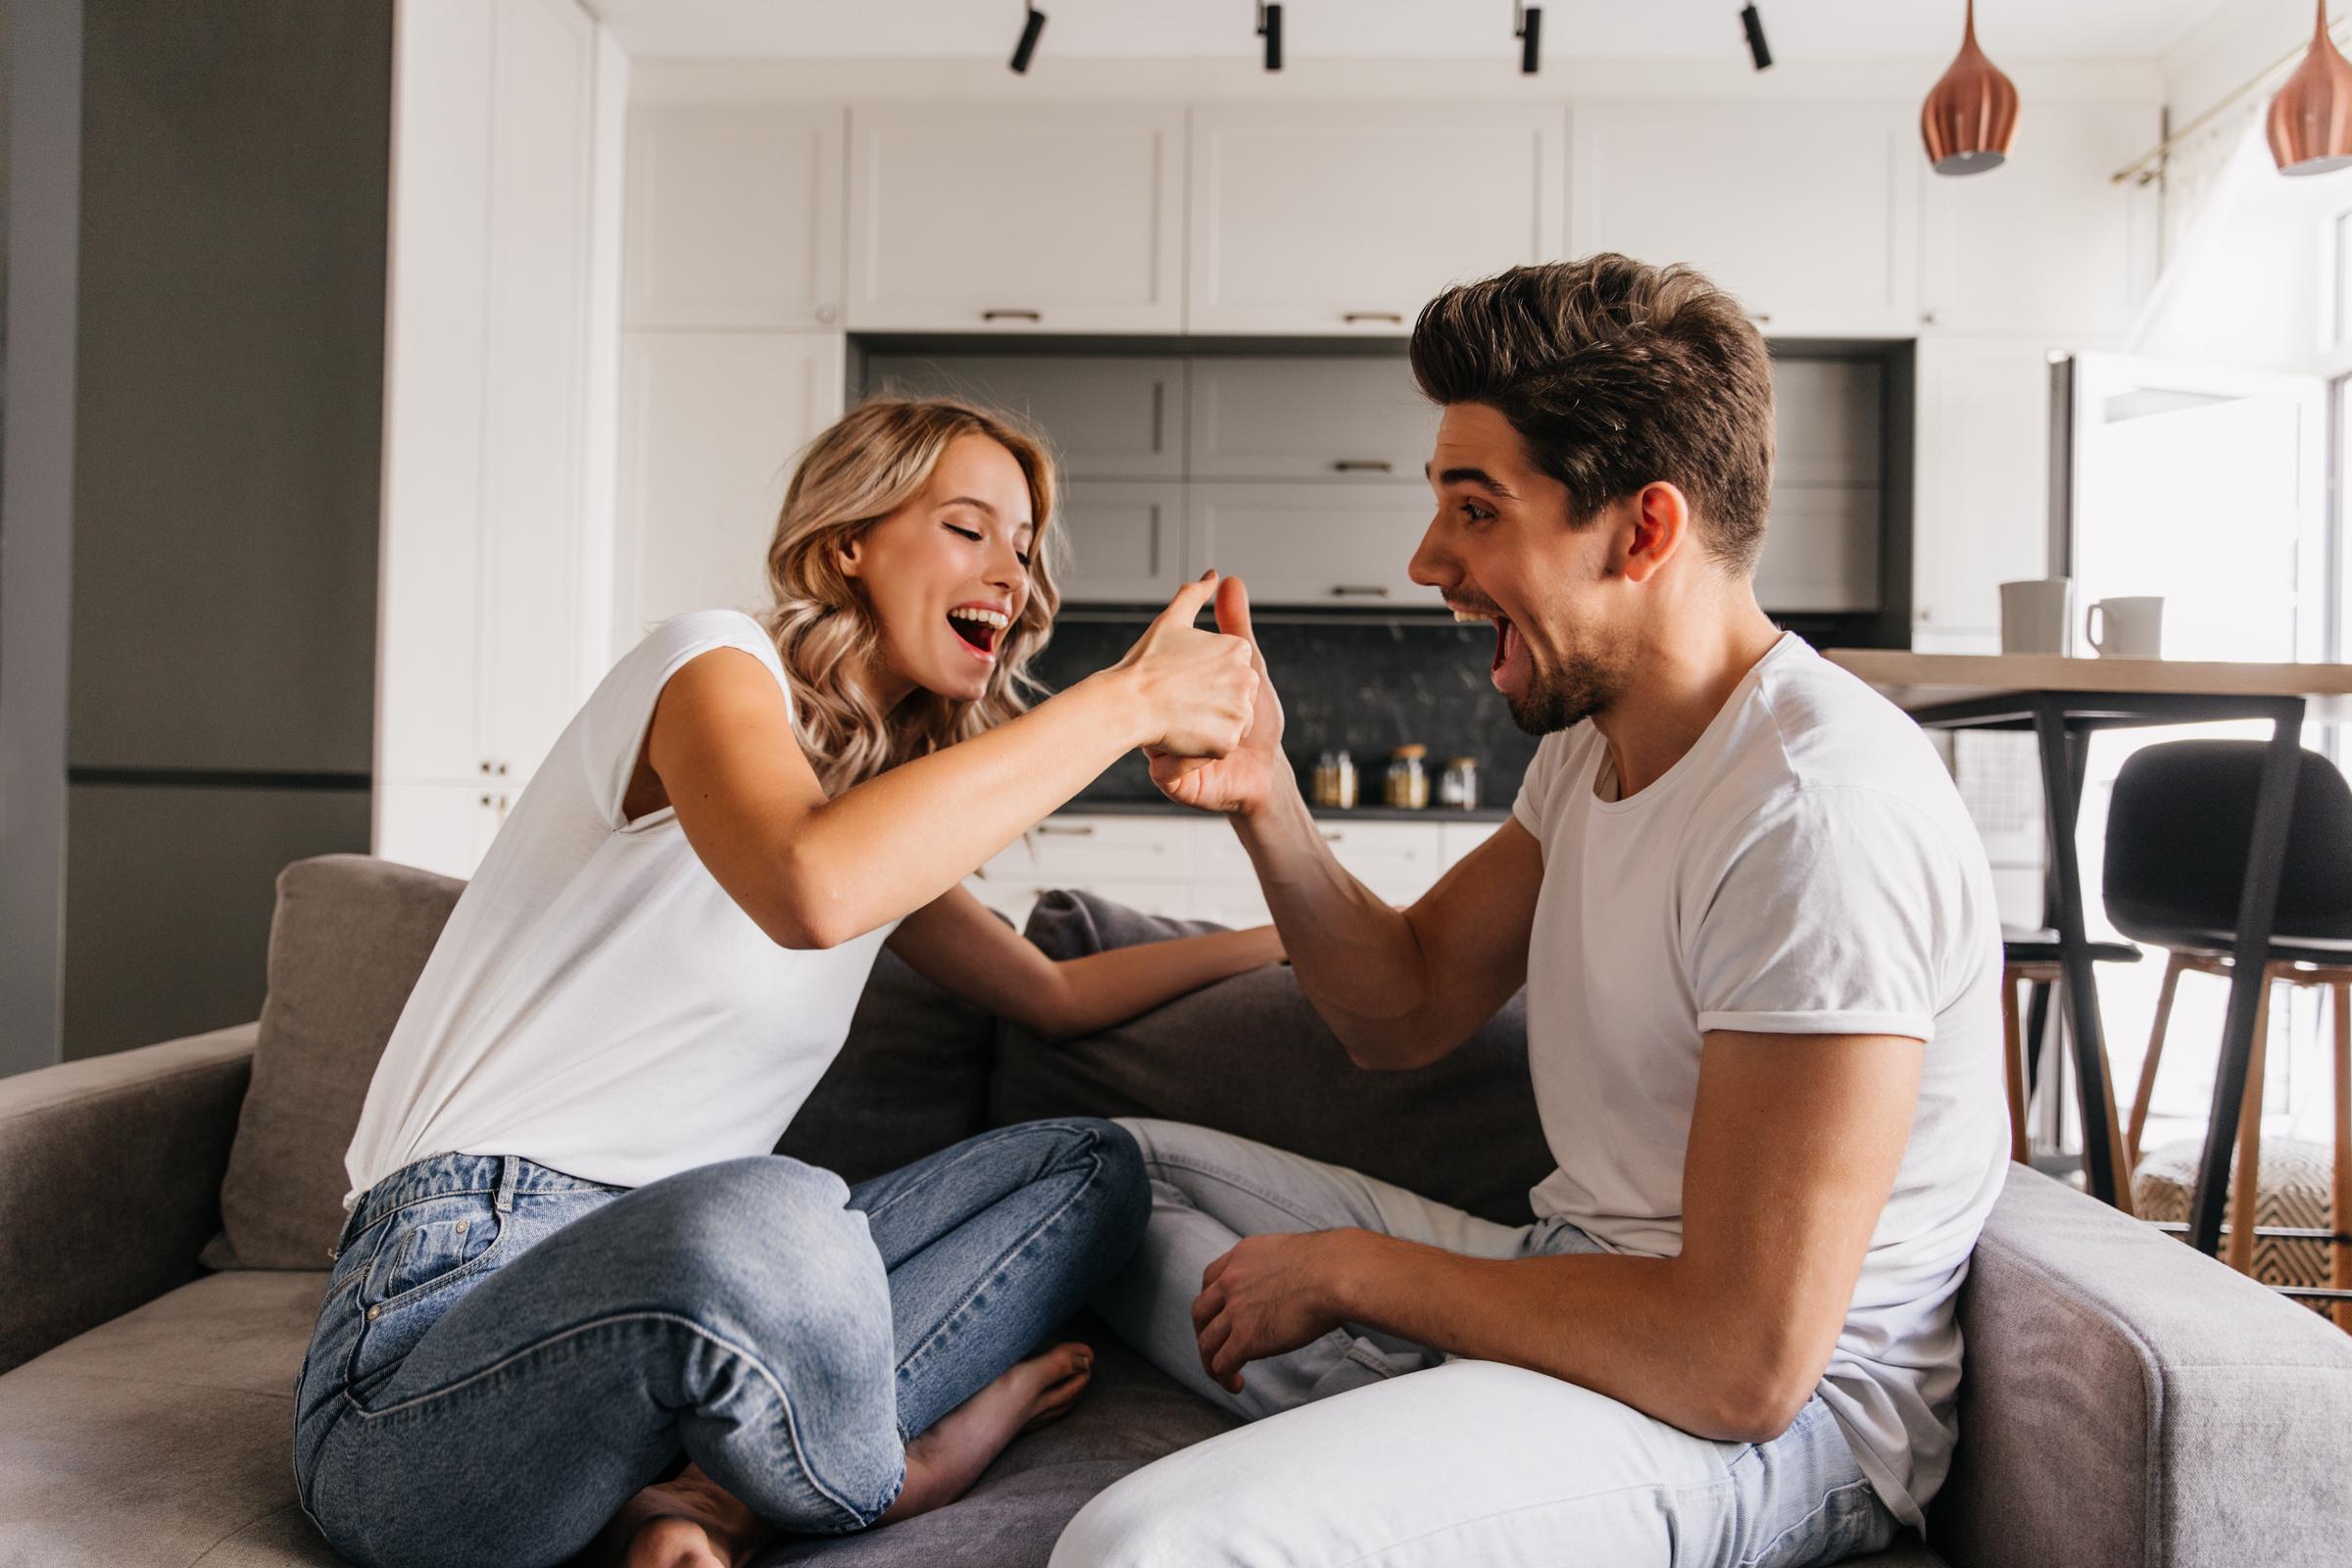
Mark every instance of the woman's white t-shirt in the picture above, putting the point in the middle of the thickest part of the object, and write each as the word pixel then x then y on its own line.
pixel 597 1003
pixel 1805 868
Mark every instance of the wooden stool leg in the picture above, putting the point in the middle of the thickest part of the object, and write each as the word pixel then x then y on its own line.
pixel 2339 1207
pixel 2247 1190
pixel 2012 1070
pixel 2146 1086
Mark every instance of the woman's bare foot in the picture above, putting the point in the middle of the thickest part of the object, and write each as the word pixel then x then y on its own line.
pixel 693 1522
pixel 689 1522
pixel 943 1463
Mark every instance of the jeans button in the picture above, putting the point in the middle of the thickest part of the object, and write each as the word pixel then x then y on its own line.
pixel 375 1312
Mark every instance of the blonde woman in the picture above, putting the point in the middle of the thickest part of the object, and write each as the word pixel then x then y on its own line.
pixel 577 1304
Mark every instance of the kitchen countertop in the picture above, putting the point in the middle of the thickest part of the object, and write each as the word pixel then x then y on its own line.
pixel 1361 813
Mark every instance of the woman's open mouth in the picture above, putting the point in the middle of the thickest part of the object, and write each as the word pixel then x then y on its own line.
pixel 979 628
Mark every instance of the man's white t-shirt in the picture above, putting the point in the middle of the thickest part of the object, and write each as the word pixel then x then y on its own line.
pixel 597 1003
pixel 1806 868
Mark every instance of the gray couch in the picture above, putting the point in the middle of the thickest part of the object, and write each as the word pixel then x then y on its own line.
pixel 165 1216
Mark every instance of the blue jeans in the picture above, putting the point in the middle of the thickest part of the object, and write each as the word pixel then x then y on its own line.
pixel 506 1353
pixel 1365 1446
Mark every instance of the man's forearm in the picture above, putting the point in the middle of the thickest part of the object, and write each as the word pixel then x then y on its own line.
pixel 1641 1330
pixel 1357 957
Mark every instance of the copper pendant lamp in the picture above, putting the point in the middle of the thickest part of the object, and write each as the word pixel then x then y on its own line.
pixel 1971 113
pixel 2311 119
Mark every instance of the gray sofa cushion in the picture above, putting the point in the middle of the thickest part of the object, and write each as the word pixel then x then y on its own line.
pixel 2126 1400
pixel 350 937
pixel 1249 1057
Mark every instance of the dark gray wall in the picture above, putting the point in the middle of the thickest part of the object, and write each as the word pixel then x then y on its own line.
pixel 40 76
pixel 231 373
pixel 227 478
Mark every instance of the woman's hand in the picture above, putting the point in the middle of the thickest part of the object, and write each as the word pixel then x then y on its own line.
pixel 1193 689
pixel 1242 778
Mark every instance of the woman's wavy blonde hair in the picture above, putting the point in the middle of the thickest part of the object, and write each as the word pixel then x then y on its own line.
pixel 874 459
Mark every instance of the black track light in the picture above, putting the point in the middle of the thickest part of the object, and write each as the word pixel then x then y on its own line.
pixel 1528 31
pixel 1030 32
pixel 1757 49
pixel 1269 28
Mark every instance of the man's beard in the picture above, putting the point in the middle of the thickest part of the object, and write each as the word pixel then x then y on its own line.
pixel 1589 681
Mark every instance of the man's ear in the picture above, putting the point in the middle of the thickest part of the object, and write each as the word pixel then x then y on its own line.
pixel 1658 527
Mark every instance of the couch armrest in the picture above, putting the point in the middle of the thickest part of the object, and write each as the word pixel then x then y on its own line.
pixel 109 1181
pixel 2127 1401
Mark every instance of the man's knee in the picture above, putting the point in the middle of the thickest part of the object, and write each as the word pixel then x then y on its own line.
pixel 1138 1523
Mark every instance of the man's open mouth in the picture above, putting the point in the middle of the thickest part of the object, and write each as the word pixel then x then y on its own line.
pixel 980 629
pixel 1507 636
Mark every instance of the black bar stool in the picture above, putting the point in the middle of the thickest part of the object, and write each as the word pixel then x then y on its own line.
pixel 2177 835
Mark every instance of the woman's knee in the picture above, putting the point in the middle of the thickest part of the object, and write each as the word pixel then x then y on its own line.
pixel 759 1236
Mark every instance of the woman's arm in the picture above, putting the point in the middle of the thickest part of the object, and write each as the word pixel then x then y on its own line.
pixel 956 943
pixel 814 872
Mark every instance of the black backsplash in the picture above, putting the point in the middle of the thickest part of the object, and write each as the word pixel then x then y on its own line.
pixel 1362 686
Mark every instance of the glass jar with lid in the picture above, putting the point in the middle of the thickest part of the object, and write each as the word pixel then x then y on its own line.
pixel 1408 784
pixel 1458 787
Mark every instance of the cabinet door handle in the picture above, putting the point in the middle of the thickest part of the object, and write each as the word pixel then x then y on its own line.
pixel 1759 316
pixel 1364 466
pixel 1010 315
pixel 1359 590
pixel 1328 836
pixel 1373 316
pixel 1075 830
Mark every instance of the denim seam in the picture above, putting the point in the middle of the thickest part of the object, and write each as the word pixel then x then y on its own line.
pixel 791 1424
pixel 1765 1550
pixel 933 1176
pixel 1383 1551
pixel 1180 1163
pixel 1005 1261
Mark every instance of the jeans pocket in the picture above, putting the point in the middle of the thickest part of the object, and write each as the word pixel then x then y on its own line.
pixel 429 1243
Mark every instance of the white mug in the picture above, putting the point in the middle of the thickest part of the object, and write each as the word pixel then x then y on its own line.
pixel 2126 628
pixel 2037 616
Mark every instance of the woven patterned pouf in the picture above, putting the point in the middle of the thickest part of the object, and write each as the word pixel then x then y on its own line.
pixel 2295 1181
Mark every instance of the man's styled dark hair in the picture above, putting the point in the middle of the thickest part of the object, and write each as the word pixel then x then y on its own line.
pixel 1617 375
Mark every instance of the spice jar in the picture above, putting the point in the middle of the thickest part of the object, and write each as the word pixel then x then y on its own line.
pixel 1459 788
pixel 1343 781
pixel 1407 779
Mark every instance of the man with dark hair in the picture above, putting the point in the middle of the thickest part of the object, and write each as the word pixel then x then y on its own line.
pixel 1757 935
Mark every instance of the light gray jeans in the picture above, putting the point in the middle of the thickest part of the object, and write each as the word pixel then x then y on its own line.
pixel 1349 1461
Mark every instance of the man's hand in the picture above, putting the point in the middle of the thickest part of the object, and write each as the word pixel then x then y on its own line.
pixel 1241 780
pixel 1269 1294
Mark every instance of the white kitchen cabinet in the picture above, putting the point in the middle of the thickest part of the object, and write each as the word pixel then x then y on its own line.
pixel 1456 840
pixel 486 624
pixel 2045 244
pixel 1806 212
pixel 1345 218
pixel 1982 499
pixel 734 217
pixel 1024 218
pixel 1326 543
pixel 711 424
pixel 1109 416
pixel 1124 542
pixel 1351 417
pixel 441 827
